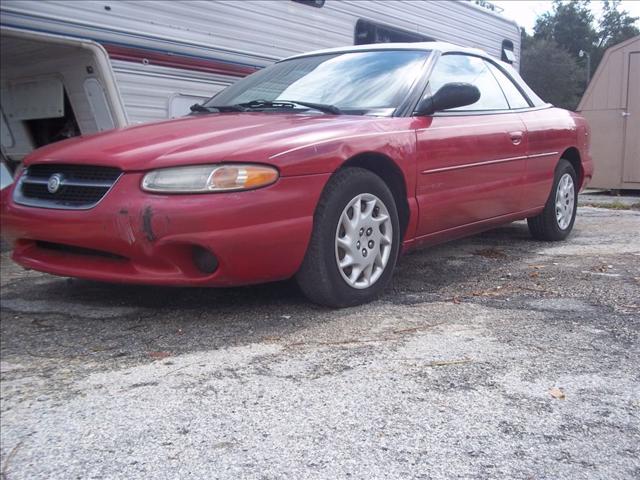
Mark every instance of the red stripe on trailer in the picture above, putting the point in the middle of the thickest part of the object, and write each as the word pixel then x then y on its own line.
pixel 118 52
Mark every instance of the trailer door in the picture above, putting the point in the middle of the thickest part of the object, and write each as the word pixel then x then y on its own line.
pixel 53 87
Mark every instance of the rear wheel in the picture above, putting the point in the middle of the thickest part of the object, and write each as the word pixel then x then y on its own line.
pixel 556 220
pixel 355 240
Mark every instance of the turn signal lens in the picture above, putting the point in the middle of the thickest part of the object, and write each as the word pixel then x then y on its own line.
pixel 209 178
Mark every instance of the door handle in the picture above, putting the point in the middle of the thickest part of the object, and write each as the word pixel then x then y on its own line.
pixel 516 137
pixel 626 114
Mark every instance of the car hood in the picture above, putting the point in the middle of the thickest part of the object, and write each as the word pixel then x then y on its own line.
pixel 210 138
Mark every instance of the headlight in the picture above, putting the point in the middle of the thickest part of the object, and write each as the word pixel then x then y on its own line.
pixel 209 178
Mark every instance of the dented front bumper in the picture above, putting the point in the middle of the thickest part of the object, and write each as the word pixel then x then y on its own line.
pixel 132 236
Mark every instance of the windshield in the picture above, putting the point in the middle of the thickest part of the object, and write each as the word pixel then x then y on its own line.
pixel 355 82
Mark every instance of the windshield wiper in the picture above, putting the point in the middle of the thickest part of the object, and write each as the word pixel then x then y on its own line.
pixel 257 104
pixel 198 108
pixel 321 107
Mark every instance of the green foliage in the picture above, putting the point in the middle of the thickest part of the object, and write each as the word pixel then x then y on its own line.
pixel 552 73
pixel 560 35
pixel 615 26
pixel 569 24
pixel 525 39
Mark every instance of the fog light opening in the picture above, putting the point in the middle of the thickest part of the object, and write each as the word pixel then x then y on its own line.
pixel 204 260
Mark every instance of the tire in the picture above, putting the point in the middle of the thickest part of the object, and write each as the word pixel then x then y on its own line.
pixel 349 192
pixel 555 224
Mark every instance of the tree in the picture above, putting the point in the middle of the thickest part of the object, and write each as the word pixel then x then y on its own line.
pixel 615 26
pixel 562 33
pixel 570 25
pixel 525 39
pixel 552 72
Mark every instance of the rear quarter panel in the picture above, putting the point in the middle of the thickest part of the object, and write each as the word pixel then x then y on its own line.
pixel 550 133
pixel 583 144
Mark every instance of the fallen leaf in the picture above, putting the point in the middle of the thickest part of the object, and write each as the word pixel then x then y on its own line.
pixel 407 330
pixel 488 293
pixel 445 363
pixel 557 393
pixel 270 338
pixel 159 355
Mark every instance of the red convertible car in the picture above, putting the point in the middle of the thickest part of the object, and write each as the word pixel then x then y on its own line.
pixel 323 166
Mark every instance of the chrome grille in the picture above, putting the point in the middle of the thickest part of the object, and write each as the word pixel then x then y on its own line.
pixel 78 186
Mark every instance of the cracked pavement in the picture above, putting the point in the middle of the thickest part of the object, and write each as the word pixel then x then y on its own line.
pixel 448 375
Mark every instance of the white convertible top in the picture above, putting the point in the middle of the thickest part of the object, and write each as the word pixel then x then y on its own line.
pixel 442 47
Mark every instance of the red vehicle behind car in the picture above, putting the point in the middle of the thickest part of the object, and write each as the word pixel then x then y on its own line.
pixel 323 166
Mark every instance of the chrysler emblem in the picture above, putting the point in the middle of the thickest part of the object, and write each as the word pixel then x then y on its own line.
pixel 55 182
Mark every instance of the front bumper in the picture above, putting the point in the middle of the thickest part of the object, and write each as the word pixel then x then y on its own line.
pixel 135 237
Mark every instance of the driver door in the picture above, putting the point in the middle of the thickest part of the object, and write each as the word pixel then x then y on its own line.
pixel 471 160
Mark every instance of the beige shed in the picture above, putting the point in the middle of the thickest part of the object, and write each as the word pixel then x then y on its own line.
pixel 611 105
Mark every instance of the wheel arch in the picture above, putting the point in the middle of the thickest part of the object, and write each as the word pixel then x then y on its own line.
pixel 391 174
pixel 572 155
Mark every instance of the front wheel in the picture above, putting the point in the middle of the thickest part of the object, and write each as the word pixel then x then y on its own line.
pixel 556 220
pixel 355 240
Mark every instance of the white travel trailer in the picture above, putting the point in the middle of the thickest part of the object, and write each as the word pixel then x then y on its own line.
pixel 73 67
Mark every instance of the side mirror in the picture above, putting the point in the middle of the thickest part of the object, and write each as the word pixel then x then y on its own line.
pixel 450 95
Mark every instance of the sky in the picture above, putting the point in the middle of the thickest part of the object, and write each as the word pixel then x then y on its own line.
pixel 525 12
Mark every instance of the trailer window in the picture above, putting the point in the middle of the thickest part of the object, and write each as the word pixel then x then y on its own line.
pixel 368 32
pixel 507 52
pixel 311 3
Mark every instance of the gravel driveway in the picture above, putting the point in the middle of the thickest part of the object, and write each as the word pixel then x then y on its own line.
pixel 490 357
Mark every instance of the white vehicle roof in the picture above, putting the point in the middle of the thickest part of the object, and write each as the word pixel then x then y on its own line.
pixel 442 47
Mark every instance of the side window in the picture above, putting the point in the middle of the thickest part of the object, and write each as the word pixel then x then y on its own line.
pixel 514 97
pixel 473 70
